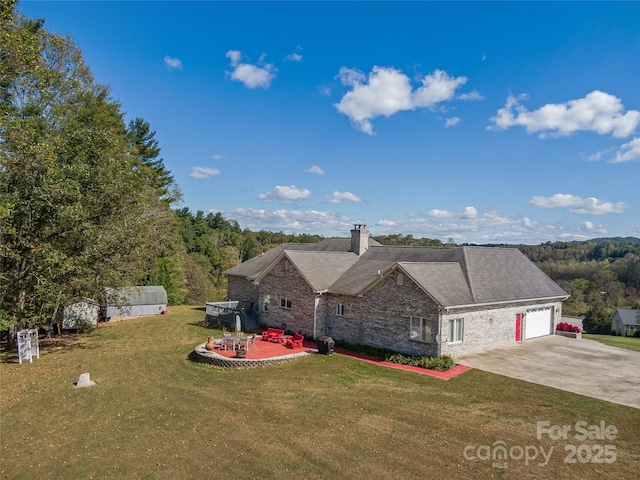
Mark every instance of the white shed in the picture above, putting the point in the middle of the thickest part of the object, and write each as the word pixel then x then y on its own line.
pixel 81 311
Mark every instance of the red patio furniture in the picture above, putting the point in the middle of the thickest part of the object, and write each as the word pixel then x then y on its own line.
pixel 273 335
pixel 295 341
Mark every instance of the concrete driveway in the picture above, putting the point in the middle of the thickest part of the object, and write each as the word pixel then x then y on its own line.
pixel 580 366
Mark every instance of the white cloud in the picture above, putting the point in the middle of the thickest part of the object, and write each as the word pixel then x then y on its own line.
pixel 440 213
pixel 203 172
pixel 452 122
pixel 597 112
pixel 576 204
pixel 351 76
pixel 235 56
pixel 470 226
pixel 285 194
pixel 437 87
pixel 470 213
pixel 315 169
pixel 387 91
pixel 629 151
pixel 386 223
pixel 473 95
pixel 219 156
pixel 339 197
pixel 293 57
pixel 294 220
pixel 172 63
pixel 593 157
pixel 592 228
pixel 252 76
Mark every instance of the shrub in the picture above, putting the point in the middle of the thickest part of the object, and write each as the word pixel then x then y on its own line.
pixel 567 327
pixel 441 363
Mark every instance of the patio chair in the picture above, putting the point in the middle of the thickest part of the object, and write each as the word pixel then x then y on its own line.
pixel 295 341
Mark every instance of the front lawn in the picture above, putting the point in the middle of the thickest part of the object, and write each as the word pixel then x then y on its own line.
pixel 629 343
pixel 156 415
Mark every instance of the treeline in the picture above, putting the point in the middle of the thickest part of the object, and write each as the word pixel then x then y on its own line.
pixel 213 244
pixel 410 241
pixel 602 273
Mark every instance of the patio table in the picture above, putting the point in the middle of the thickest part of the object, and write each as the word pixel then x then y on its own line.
pixel 235 342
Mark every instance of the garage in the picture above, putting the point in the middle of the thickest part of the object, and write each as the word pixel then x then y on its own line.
pixel 537 323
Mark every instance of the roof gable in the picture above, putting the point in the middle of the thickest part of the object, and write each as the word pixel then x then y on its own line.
pixel 445 282
pixel 321 269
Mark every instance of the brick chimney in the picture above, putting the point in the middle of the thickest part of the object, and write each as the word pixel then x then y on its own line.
pixel 359 238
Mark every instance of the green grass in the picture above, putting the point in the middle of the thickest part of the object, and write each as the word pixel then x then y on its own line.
pixel 156 415
pixel 629 343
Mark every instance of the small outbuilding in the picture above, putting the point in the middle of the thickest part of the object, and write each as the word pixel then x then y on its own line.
pixel 625 322
pixel 80 312
pixel 136 301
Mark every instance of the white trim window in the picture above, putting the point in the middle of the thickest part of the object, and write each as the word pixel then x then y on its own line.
pixel 340 309
pixel 456 330
pixel 285 302
pixel 420 329
pixel 400 280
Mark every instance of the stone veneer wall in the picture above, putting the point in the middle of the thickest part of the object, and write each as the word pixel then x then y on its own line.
pixel 381 318
pixel 288 283
pixel 241 289
pixel 485 328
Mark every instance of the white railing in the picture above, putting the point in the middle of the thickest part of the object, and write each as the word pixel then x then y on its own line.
pixel 217 308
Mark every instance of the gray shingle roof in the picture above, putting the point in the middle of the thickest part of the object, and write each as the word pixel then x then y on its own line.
pixel 628 316
pixel 452 276
pixel 321 269
pixel 506 274
pixel 445 282
pixel 253 267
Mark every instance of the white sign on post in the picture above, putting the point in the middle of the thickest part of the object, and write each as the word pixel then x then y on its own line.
pixel 28 345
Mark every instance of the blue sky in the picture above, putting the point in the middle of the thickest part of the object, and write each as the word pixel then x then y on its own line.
pixel 478 122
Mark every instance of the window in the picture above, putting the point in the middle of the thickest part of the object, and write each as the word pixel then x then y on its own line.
pixel 285 302
pixel 455 330
pixel 287 265
pixel 340 309
pixel 420 329
pixel 400 279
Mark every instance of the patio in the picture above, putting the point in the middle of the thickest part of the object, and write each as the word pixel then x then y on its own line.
pixel 266 352
pixel 260 352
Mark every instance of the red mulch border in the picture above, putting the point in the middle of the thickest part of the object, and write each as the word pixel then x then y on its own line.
pixel 454 372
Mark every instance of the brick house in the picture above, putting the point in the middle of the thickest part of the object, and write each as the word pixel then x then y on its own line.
pixel 415 300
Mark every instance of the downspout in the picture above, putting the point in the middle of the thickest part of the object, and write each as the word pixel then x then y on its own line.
pixel 439 336
pixel 316 301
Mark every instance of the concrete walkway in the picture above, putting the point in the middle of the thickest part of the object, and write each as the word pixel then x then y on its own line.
pixel 580 366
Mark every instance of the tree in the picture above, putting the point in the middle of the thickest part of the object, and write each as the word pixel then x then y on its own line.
pixel 146 150
pixel 75 214
pixel 598 319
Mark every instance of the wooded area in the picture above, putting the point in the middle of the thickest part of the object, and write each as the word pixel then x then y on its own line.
pixel 86 202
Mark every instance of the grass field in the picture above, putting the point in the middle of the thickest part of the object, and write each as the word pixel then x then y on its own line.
pixel 629 343
pixel 156 415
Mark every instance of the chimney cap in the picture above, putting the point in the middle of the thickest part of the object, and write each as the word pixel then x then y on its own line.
pixel 359 226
